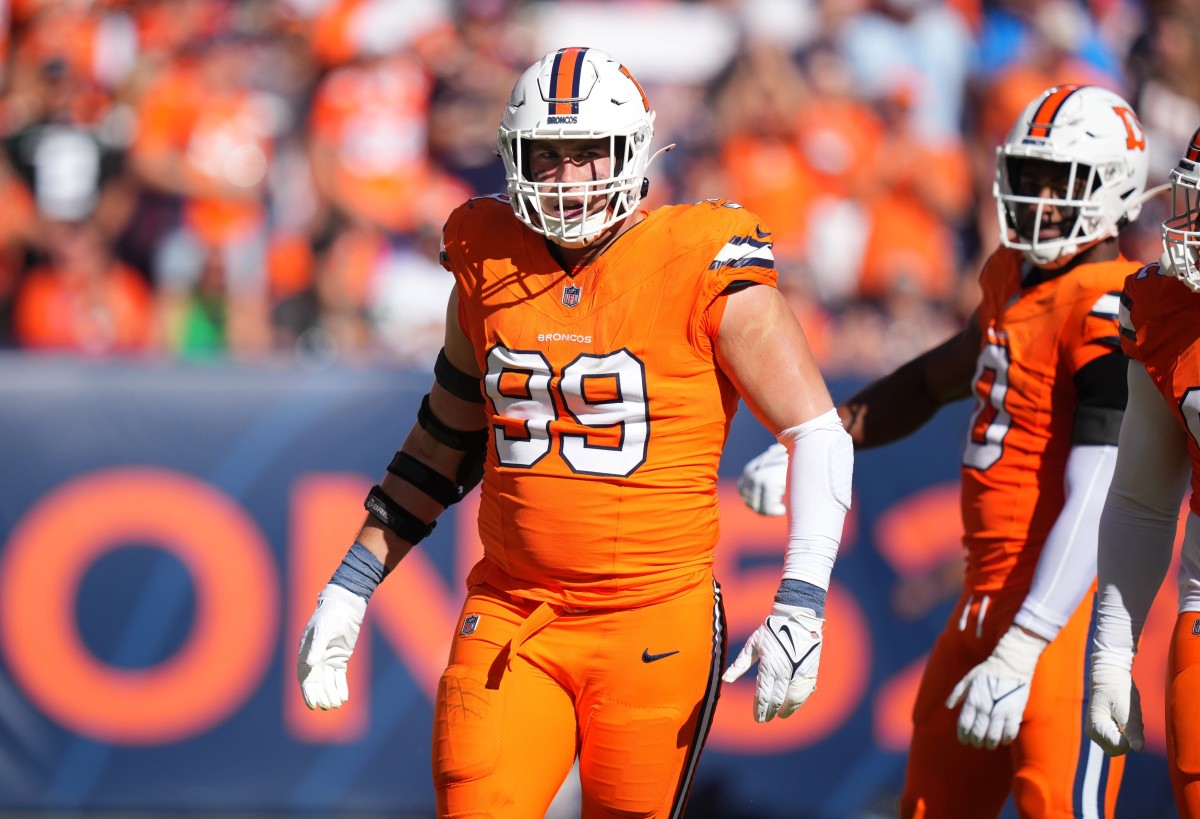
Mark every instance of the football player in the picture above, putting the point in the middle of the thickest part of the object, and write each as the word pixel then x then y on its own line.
pixel 594 356
pixel 1041 358
pixel 1160 331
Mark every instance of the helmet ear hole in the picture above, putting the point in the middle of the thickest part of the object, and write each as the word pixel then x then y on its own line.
pixel 645 189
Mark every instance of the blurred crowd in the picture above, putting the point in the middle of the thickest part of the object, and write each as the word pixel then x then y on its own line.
pixel 209 179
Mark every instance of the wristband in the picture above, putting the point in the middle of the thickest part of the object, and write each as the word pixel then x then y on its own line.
pixel 802 594
pixel 360 572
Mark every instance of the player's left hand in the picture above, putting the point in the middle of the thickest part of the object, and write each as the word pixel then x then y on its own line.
pixel 788 649
pixel 764 480
pixel 996 691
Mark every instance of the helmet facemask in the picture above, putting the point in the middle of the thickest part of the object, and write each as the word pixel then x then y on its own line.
pixel 1181 232
pixel 1074 159
pixel 574 214
pixel 577 94
pixel 1025 211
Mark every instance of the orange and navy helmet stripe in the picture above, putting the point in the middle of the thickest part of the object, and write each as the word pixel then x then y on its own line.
pixel 564 80
pixel 1193 151
pixel 1043 118
pixel 638 86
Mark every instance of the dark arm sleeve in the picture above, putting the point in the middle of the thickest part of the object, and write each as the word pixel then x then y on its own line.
pixel 1101 391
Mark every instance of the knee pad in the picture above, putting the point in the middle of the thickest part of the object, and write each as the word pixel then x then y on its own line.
pixel 631 760
pixel 1031 794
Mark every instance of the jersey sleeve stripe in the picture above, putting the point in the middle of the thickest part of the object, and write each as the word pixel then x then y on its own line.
pixel 1107 306
pixel 744 251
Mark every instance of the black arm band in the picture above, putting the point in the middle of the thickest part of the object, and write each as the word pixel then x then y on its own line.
pixel 455 381
pixel 395 517
pixel 455 439
pixel 431 482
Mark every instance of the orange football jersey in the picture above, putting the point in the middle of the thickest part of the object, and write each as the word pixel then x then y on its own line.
pixel 607 411
pixel 1014 461
pixel 1159 318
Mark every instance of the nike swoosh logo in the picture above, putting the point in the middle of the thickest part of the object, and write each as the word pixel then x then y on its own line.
pixel 647 657
pixel 789 651
pixel 761 235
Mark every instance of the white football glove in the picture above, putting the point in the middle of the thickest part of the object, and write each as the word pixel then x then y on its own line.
pixel 996 691
pixel 1114 716
pixel 326 646
pixel 764 480
pixel 788 649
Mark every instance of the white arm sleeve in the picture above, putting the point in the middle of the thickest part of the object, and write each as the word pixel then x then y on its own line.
pixel 1137 527
pixel 1067 565
pixel 820 468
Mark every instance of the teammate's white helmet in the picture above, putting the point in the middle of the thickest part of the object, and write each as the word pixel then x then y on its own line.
pixel 1181 233
pixel 576 93
pixel 1096 136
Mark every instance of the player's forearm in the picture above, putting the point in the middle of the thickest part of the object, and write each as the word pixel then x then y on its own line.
pixel 1141 512
pixel 898 404
pixel 887 410
pixel 820 469
pixel 1134 556
pixel 1067 564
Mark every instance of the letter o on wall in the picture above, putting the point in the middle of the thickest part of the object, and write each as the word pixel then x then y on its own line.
pixel 231 640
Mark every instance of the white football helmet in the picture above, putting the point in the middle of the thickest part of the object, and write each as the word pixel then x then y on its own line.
pixel 1181 232
pixel 576 93
pixel 1096 136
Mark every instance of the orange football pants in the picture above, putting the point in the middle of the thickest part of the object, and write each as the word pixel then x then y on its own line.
pixel 1051 769
pixel 529 686
pixel 1183 714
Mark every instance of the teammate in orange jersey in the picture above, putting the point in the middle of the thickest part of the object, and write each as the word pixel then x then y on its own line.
pixel 594 357
pixel 1160 331
pixel 1041 357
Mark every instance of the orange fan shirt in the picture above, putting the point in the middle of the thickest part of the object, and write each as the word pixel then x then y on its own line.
pixel 1035 339
pixel 1159 317
pixel 607 411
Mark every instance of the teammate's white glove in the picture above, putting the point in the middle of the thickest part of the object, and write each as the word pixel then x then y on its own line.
pixel 764 480
pixel 1114 716
pixel 996 691
pixel 788 649
pixel 326 646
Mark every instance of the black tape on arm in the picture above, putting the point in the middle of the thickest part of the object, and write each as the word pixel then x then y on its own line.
pixel 395 517
pixel 472 443
pixel 464 441
pixel 455 381
pixel 428 480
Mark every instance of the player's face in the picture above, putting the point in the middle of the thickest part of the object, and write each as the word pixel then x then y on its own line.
pixel 572 164
pixel 1047 180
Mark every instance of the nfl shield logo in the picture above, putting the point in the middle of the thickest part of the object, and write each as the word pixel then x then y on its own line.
pixel 469 624
pixel 571 295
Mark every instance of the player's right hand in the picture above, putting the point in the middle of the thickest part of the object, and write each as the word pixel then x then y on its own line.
pixel 1114 714
pixel 326 646
pixel 764 481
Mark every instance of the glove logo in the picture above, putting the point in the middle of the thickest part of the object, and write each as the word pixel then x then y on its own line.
pixel 469 624
pixel 998 694
pixel 647 657
pixel 787 632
